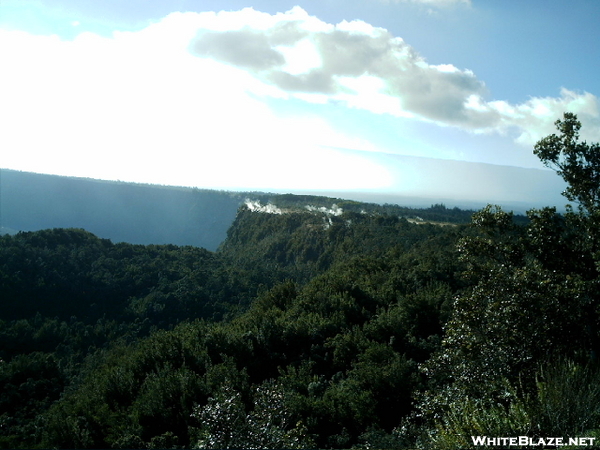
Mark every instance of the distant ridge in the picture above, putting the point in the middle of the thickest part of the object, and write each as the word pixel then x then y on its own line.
pixel 156 214
pixel 122 212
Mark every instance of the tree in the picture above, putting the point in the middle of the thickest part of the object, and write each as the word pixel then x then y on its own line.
pixel 535 295
pixel 225 423
pixel 578 163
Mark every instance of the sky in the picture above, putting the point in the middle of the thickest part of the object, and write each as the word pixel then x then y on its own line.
pixel 283 95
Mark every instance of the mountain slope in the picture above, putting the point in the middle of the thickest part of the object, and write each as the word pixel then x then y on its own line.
pixel 134 213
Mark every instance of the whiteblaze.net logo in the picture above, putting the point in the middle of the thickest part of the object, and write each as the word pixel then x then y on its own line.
pixel 526 441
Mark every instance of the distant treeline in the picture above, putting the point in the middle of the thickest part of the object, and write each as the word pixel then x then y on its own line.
pixel 437 212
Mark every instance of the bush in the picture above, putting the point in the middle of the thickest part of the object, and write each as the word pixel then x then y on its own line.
pixel 565 402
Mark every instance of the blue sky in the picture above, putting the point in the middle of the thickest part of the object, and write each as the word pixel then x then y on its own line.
pixel 283 95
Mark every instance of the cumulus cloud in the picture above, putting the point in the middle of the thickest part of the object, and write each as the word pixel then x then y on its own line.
pixel 366 67
pixel 248 49
pixel 359 65
pixel 534 119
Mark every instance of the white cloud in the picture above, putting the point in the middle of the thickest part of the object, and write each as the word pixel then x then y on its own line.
pixel 183 101
pixel 353 62
pixel 536 117
pixel 365 67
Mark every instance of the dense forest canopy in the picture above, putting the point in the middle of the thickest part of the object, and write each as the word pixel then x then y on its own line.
pixel 318 323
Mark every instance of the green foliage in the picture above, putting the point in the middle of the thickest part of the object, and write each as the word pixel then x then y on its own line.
pixel 29 383
pixel 568 399
pixel 299 245
pixel 578 163
pixel 306 329
pixel 68 273
pixel 139 392
pixel 270 424
pixel 533 303
pixel 521 311
pixel 474 417
pixel 563 403
pixel 332 362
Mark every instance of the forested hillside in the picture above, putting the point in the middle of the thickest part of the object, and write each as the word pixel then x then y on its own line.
pixel 74 302
pixel 318 323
